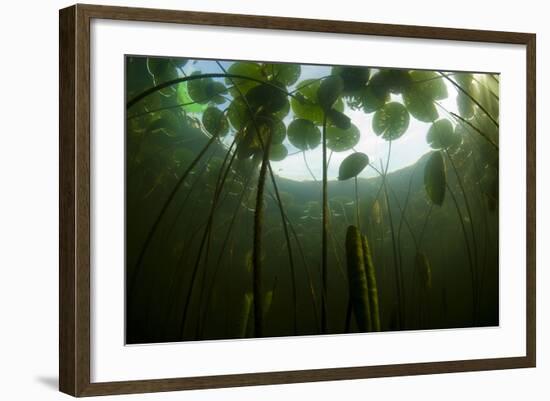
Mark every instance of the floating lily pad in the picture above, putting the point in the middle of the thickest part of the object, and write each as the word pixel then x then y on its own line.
pixel 352 166
pixel 215 121
pixel 340 140
pixel 441 134
pixel 286 74
pixel 391 121
pixel 303 134
pixel 329 91
pixel 354 78
pixel 278 152
pixel 247 69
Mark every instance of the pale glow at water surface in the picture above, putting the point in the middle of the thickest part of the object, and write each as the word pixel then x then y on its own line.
pixel 405 151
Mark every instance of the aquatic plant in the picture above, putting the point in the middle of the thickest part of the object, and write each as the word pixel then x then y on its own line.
pixel 203 191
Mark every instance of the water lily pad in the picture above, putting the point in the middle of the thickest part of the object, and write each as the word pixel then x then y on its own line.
pixel 267 98
pixel 420 106
pixel 340 140
pixel 352 165
pixel 205 90
pixel 162 70
pixel 247 69
pixel 391 121
pixel 278 152
pixel 338 119
pixel 354 78
pixel 215 121
pixel 441 134
pixel 329 91
pixel 429 83
pixel 286 74
pixel 305 103
pixel 303 134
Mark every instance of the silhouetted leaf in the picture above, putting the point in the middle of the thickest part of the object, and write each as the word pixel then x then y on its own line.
pixel 278 152
pixel 248 69
pixel 329 91
pixel 162 70
pixel 286 74
pixel 303 134
pixel 391 121
pixel 340 140
pixel 429 83
pixel 308 106
pixel 354 78
pixel 435 178
pixel 238 113
pixel 215 121
pixel 421 107
pixel 352 165
pixel 184 98
pixel 266 97
pixel 204 90
pixel 376 93
pixel 338 119
pixel 394 80
pixel 441 134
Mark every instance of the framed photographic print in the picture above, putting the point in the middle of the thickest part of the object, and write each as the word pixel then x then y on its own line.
pixel 252 200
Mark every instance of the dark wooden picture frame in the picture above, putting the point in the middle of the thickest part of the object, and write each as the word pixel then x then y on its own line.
pixel 74 206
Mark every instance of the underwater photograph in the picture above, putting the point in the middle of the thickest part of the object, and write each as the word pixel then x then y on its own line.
pixel 268 199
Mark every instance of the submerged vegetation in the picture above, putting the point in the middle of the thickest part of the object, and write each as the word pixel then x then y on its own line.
pixel 223 243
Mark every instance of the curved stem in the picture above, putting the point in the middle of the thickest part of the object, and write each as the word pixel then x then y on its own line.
pixel 469 211
pixel 188 78
pixel 308 168
pixel 461 89
pixel 468 250
pixel 265 149
pixel 154 227
pixel 397 267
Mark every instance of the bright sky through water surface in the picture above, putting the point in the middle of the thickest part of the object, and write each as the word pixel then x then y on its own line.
pixel 404 151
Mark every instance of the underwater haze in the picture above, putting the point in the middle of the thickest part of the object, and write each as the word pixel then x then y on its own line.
pixel 276 199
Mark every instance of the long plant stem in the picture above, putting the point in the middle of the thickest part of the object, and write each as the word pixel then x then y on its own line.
pixel 137 268
pixel 397 267
pixel 265 149
pixel 357 204
pixel 472 230
pixel 473 99
pixel 220 182
pixel 324 251
pixel 258 243
pixel 468 250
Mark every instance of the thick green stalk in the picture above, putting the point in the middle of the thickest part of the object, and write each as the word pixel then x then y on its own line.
pixel 275 188
pixel 258 243
pixel 372 287
pixel 357 279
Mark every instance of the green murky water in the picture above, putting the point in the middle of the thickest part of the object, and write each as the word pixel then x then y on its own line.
pixel 282 199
